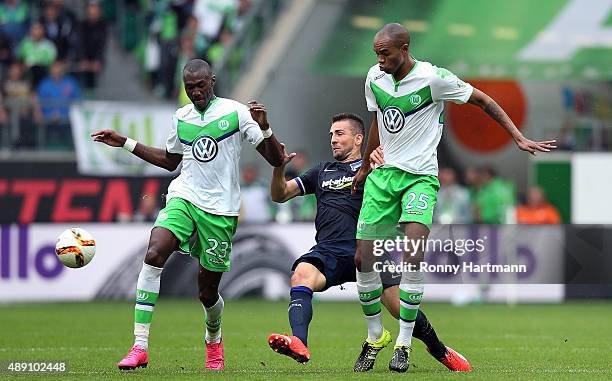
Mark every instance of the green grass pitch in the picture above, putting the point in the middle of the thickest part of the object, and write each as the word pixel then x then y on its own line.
pixel 555 342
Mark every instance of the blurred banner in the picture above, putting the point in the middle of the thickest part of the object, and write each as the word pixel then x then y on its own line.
pixel 55 192
pixel 558 40
pixel 148 124
pixel 262 256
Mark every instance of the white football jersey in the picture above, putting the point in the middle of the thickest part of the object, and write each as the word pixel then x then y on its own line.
pixel 410 113
pixel 210 143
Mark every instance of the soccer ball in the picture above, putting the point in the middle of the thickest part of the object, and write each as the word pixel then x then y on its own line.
pixel 75 247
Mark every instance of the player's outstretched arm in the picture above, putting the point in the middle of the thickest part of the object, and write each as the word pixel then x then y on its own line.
pixel 269 148
pixel 280 189
pixel 373 142
pixel 495 111
pixel 155 156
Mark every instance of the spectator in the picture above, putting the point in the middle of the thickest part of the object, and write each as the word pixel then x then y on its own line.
pixel 537 210
pixel 4 127
pixel 217 50
pixel 255 206
pixel 191 30
pixel 212 16
pixel 22 109
pixel 243 8
pixel 55 94
pixel 59 26
pixel 493 199
pixel 6 54
pixel 14 20
pixel 164 27
pixel 37 52
pixel 453 205
pixel 471 180
pixel 92 46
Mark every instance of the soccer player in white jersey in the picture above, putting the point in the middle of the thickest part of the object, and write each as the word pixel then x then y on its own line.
pixel 206 136
pixel 407 97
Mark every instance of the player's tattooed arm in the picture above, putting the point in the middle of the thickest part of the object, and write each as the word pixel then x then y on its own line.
pixel 498 114
pixel 156 156
pixel 282 190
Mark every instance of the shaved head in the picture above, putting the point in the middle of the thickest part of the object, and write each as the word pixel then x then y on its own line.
pixel 394 32
pixel 197 66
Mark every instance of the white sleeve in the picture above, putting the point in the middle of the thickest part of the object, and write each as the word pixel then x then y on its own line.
pixel 249 129
pixel 173 143
pixel 446 86
pixel 369 96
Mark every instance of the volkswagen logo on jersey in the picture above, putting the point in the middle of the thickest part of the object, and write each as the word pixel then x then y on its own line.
pixel 393 119
pixel 204 148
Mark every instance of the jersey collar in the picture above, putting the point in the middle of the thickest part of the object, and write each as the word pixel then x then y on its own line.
pixel 396 83
pixel 210 103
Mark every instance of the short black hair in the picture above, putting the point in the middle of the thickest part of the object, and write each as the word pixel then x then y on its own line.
pixel 196 65
pixel 356 120
pixel 396 32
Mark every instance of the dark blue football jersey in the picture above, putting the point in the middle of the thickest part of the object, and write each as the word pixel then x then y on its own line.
pixel 337 208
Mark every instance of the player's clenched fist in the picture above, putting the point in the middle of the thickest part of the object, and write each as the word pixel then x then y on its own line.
pixel 109 137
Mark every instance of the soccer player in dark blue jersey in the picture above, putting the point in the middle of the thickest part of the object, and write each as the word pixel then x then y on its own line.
pixel 331 261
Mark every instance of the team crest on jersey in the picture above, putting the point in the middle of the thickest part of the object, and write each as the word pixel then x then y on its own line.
pixel 223 125
pixel 415 99
pixel 204 149
pixel 393 119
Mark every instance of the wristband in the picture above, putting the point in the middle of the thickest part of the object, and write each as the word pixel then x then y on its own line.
pixel 130 144
pixel 267 133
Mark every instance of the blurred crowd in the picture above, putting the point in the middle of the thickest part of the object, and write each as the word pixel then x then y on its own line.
pixel 49 57
pixel 481 198
pixel 489 199
pixel 52 53
pixel 257 206
pixel 176 31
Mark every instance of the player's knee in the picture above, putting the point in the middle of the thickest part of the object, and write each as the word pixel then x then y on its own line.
pixel 300 278
pixel 155 257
